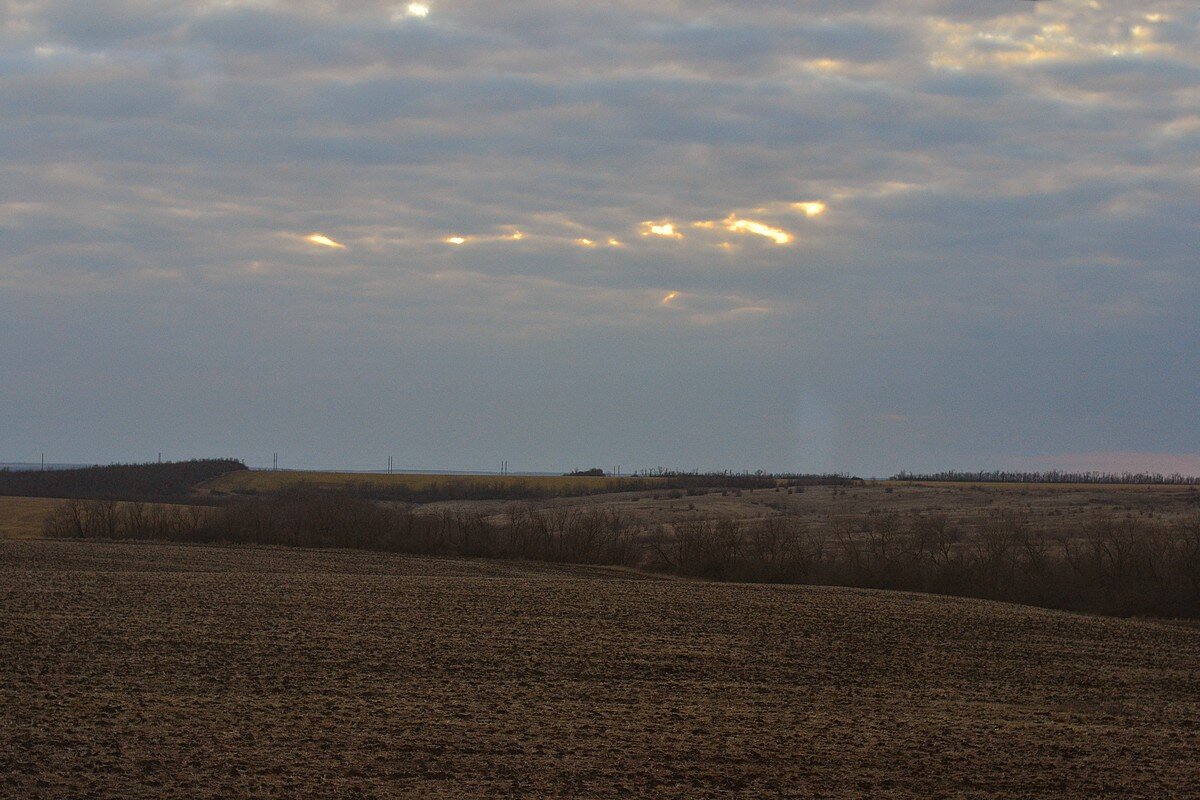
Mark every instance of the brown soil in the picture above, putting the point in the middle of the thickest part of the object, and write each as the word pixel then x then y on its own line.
pixel 201 672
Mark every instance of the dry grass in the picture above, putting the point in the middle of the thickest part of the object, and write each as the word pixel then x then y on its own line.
pixel 964 504
pixel 262 481
pixel 1047 506
pixel 21 517
pixel 173 671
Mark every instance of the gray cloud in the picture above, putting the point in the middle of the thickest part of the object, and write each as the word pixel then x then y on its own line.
pixel 1005 267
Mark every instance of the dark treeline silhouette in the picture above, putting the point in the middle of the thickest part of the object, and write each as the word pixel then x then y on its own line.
pixel 673 479
pixel 679 479
pixel 304 518
pixel 515 489
pixel 1053 476
pixel 169 481
pixel 1119 566
pixel 534 488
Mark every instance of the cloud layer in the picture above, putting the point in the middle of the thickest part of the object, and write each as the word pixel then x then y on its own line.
pixel 834 235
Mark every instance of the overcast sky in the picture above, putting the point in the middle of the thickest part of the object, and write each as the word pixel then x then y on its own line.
pixel 842 235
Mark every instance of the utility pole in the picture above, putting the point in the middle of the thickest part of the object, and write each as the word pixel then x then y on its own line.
pixel 43 462
pixel 275 462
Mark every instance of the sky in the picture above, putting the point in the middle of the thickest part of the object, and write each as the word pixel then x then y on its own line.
pixel 842 235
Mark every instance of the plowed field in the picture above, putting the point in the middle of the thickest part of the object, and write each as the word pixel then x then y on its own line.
pixel 203 672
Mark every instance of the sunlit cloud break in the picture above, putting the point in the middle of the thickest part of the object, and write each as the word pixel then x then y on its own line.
pixel 416 10
pixel 665 229
pixel 322 240
pixel 514 236
pixel 777 235
pixel 810 208
pixel 668 297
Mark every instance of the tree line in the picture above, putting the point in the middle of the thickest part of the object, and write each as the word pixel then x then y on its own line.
pixel 1052 476
pixel 726 479
pixel 306 518
pixel 1118 566
pixel 1121 566
pixel 171 481
pixel 544 488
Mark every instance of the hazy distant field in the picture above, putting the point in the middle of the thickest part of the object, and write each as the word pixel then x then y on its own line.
pixel 1047 506
pixel 263 481
pixel 174 671
pixel 21 517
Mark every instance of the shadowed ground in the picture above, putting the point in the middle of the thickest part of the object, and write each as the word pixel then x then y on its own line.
pixel 173 671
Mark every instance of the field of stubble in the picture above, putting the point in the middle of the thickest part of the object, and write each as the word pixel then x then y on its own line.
pixel 21 517
pixel 201 672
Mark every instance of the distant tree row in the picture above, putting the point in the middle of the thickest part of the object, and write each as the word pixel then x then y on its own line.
pixel 680 479
pixel 169 481
pixel 1053 476
pixel 306 518
pixel 541 488
pixel 1119 566
pixel 505 488
pixel 176 482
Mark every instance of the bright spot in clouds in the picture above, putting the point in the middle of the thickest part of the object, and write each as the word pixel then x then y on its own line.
pixel 669 296
pixel 324 241
pixel 810 208
pixel 417 10
pixel 666 229
pixel 736 225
